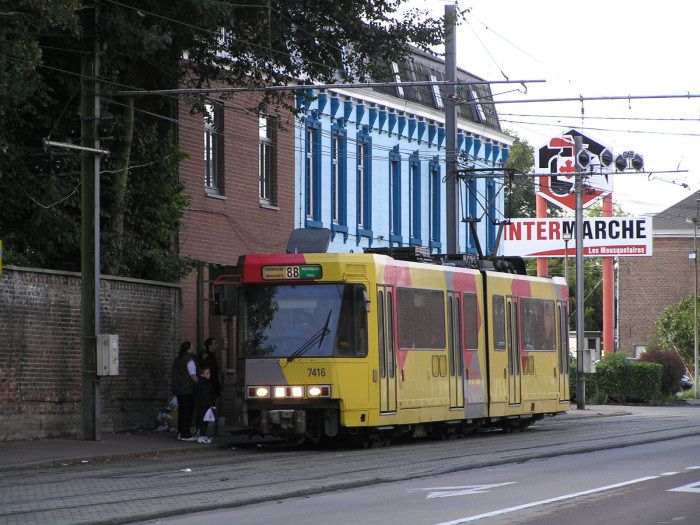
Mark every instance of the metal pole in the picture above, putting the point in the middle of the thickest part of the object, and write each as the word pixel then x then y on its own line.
pixel 90 223
pixel 695 305
pixel 566 262
pixel 451 179
pixel 580 384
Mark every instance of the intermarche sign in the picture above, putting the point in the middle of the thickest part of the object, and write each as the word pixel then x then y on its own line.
pixel 602 237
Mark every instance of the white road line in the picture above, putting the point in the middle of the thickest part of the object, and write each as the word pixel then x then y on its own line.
pixel 690 487
pixel 544 501
pixel 691 468
pixel 668 473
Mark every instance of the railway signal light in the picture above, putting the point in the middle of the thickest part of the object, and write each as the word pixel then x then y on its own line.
pixel 583 158
pixel 620 163
pixel 637 162
pixel 606 157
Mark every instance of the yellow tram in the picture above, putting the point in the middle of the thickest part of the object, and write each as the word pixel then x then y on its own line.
pixel 373 346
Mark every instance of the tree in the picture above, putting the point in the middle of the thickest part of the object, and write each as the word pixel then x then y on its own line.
pixel 520 191
pixel 231 43
pixel 675 329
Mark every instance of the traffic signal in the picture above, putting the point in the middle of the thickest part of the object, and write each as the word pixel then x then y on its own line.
pixel 620 163
pixel 583 158
pixel 606 157
pixel 637 162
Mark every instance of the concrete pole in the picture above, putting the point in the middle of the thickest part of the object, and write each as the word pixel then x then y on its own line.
pixel 451 179
pixel 580 384
pixel 608 291
pixel 90 223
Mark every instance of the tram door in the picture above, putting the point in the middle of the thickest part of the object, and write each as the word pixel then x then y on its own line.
pixel 563 350
pixel 455 346
pixel 387 353
pixel 514 368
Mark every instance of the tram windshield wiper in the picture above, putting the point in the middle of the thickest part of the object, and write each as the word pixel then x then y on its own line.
pixel 318 336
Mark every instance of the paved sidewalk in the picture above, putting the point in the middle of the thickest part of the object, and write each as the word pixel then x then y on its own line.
pixel 56 452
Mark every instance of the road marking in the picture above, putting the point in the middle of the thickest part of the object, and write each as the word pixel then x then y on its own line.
pixel 668 473
pixel 462 490
pixel 691 468
pixel 545 501
pixel 690 487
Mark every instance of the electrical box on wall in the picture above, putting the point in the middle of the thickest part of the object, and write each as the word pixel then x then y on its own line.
pixel 107 355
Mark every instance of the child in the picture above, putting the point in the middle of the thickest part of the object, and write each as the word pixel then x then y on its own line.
pixel 204 400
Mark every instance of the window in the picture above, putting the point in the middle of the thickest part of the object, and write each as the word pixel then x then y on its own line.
pixel 538 320
pixel 395 196
pixel 478 110
pixel 312 154
pixel 281 320
pixel 499 323
pixel 434 182
pixel 421 318
pixel 437 96
pixel 364 184
pixel 397 78
pixel 414 195
pixel 267 166
pixel 214 147
pixel 471 324
pixel 338 177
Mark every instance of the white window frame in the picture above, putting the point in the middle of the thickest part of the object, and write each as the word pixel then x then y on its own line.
pixel 397 78
pixel 437 96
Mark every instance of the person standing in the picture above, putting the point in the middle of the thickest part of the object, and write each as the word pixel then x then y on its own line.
pixel 184 379
pixel 204 402
pixel 208 360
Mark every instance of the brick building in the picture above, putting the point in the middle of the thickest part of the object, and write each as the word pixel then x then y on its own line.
pixel 648 285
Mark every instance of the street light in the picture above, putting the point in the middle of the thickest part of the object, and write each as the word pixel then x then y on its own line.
pixel 567 237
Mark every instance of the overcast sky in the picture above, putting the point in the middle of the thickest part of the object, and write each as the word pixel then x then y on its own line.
pixel 597 48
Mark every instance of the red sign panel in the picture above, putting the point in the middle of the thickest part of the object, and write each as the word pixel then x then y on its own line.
pixel 559 158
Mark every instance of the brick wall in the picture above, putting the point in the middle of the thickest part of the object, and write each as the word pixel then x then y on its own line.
pixel 40 354
pixel 218 229
pixel 650 284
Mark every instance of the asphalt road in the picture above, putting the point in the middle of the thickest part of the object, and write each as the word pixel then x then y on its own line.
pixel 206 479
pixel 653 483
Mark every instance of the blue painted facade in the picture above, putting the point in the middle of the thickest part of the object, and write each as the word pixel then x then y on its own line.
pixel 371 168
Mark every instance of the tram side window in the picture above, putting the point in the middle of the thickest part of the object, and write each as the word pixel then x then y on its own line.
pixel 499 323
pixel 471 324
pixel 421 318
pixel 351 339
pixel 538 319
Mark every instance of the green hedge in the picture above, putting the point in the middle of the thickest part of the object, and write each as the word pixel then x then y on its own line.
pixel 617 380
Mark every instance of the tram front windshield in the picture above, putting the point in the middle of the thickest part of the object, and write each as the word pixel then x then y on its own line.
pixel 310 320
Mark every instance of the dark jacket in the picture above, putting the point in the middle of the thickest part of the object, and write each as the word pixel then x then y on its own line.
pixel 204 396
pixel 182 382
pixel 208 360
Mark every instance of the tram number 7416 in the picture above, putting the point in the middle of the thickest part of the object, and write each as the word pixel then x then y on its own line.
pixel 316 372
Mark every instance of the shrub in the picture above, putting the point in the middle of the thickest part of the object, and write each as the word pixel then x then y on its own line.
pixel 673 368
pixel 621 380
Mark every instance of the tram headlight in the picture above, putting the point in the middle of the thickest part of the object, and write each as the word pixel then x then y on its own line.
pixel 318 391
pixel 258 392
pixel 297 391
pixel 280 391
